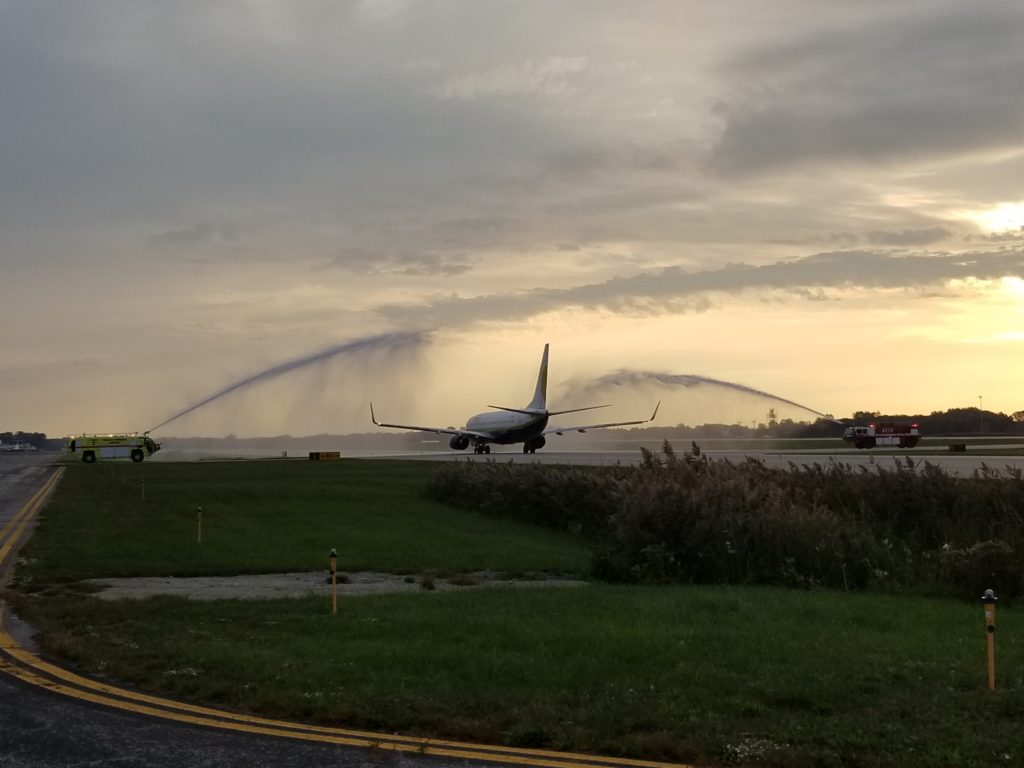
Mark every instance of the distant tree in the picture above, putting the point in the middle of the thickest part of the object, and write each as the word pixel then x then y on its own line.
pixel 862 416
pixel 820 428
pixel 1018 416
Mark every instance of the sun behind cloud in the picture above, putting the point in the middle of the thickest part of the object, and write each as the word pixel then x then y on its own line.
pixel 1003 217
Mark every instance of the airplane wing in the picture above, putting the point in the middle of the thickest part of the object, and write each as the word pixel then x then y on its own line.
pixel 585 427
pixel 535 412
pixel 435 430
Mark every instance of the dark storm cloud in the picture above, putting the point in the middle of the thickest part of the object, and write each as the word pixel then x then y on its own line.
pixel 910 83
pixel 677 290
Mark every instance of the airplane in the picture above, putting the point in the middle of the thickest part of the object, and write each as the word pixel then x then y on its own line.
pixel 18 447
pixel 507 426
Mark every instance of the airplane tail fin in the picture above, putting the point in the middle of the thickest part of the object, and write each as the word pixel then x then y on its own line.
pixel 540 395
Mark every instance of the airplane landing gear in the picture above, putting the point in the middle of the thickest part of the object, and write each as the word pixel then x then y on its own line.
pixel 481 448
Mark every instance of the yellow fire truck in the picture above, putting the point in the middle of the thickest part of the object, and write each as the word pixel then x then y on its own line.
pixel 93 447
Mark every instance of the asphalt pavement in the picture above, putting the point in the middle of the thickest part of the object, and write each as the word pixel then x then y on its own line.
pixel 41 729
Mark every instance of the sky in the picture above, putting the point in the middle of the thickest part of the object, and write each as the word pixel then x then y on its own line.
pixel 821 201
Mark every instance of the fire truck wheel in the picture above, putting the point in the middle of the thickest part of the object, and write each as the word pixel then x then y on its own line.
pixel 137 456
pixel 88 457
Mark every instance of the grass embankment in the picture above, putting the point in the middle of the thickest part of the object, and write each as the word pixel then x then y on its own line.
pixel 733 675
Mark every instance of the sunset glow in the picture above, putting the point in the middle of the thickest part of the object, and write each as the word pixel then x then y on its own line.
pixel 1005 217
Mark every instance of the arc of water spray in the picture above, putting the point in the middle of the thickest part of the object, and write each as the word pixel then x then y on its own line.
pixel 385 341
pixel 626 377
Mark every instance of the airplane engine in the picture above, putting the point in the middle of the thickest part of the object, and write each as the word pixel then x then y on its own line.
pixel 459 443
pixel 538 442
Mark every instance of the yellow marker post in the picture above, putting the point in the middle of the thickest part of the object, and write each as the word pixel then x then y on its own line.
pixel 333 555
pixel 989 600
pixel 199 525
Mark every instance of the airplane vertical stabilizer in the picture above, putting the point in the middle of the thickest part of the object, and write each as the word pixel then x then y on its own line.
pixel 540 395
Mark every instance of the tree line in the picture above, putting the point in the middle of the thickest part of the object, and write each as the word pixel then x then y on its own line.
pixel 952 422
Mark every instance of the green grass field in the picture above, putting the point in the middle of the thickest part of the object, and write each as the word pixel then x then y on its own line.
pixel 712 675
pixel 121 519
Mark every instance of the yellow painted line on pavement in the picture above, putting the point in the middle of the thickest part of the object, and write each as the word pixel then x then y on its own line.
pixel 28 505
pixel 10 534
pixel 29 668
pixel 130 701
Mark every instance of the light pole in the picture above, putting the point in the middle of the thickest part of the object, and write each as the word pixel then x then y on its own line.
pixel 981 416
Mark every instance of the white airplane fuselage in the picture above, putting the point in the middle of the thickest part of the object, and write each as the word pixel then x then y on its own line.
pixel 506 427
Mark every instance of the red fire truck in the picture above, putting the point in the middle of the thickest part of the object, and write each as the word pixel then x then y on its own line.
pixel 891 433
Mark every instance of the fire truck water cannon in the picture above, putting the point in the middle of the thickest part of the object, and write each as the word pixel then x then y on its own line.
pixel 889 433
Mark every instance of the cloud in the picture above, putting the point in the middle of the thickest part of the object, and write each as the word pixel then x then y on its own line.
pixel 903 85
pixel 677 290
pixel 430 266
pixel 382 10
pixel 366 262
pixel 201 233
pixel 998 237
pixel 372 125
pixel 908 237
pixel 547 78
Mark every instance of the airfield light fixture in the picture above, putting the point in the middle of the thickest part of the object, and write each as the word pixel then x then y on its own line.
pixel 989 600
pixel 333 555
